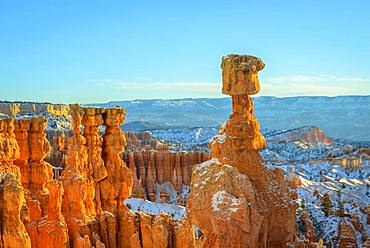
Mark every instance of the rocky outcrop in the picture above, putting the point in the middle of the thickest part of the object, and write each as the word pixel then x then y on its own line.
pixel 366 210
pixel 229 204
pixel 9 149
pixel 31 137
pixel 12 230
pixel 52 230
pixel 307 227
pixel 77 203
pixel 85 207
pixel 138 141
pixel 234 199
pixel 13 108
pixel 118 184
pixel 57 153
pixel 346 235
pixel 147 230
pixel 169 172
pixel 46 225
pixel 305 135
pixel 97 181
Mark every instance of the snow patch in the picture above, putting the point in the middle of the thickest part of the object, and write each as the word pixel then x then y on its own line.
pixel 176 211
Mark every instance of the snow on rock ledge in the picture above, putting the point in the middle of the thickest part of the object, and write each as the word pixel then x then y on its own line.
pixel 137 204
pixel 224 202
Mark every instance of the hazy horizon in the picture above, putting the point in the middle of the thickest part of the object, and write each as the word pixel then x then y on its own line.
pixel 174 99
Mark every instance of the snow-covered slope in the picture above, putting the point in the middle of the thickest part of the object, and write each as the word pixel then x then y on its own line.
pixel 55 122
pixel 186 137
pixel 348 189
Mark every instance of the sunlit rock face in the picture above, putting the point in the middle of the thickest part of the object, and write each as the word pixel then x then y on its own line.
pixel 84 205
pixel 95 178
pixel 159 173
pixel 304 135
pixel 45 223
pixel 13 108
pixel 240 74
pixel 96 182
pixel 234 199
pixel 12 230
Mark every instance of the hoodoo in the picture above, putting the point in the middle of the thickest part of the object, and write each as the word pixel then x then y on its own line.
pixel 234 199
pixel 84 207
pixel 12 230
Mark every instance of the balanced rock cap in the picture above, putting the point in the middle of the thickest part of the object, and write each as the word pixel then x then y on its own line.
pixel 240 74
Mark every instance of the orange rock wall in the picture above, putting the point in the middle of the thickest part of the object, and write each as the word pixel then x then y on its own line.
pixel 45 225
pixel 151 162
pixel 12 230
pixel 84 208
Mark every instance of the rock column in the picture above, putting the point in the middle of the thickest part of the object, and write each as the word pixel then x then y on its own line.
pixel 235 200
pixel 12 230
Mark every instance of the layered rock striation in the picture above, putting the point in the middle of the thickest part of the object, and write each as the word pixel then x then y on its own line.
pixel 234 199
pixel 13 108
pixel 159 174
pixel 163 175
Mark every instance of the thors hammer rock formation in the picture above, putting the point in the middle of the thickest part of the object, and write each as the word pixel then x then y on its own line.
pixel 234 199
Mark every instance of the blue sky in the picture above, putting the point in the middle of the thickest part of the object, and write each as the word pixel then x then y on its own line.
pixel 96 51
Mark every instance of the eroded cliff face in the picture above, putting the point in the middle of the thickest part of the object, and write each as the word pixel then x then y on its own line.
pixel 45 223
pixel 234 199
pixel 162 175
pixel 97 181
pixel 305 135
pixel 159 174
pixel 12 230
pixel 84 208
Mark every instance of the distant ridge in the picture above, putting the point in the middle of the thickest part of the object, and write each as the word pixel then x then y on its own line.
pixel 346 117
pixel 343 117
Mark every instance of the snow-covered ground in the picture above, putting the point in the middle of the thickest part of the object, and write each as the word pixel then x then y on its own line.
pixel 186 137
pixel 348 189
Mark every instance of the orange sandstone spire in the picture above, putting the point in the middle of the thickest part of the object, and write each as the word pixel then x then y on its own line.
pixel 234 199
